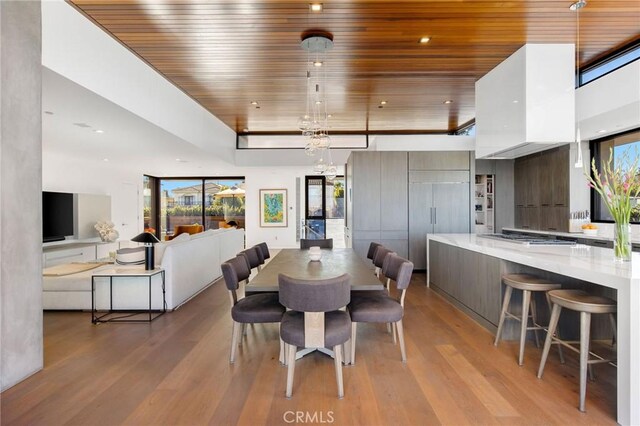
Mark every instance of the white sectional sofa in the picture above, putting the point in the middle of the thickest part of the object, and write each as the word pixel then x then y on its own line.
pixel 191 264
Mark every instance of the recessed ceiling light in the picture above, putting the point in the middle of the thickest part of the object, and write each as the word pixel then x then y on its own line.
pixel 254 103
pixel 245 130
pixel 99 131
pixel 316 7
pixel 48 112
pixel 424 40
pixel 515 101
pixel 106 160
pixel 318 102
pixel 448 101
pixel 602 131
pixel 317 64
pixel 177 159
pixel 329 115
pixel 383 102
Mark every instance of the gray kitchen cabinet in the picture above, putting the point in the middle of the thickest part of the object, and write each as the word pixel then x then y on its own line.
pixel 476 286
pixel 377 206
pixel 396 198
pixel 541 190
pixel 438 203
pixel 394 194
pixel 532 185
pixel 366 191
pixel 439 160
pixel 560 164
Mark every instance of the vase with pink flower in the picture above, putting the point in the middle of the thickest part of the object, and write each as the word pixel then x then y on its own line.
pixel 619 186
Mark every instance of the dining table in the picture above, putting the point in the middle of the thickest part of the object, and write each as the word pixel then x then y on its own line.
pixel 296 263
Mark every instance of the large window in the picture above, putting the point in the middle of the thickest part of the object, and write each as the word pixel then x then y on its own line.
pixel 212 202
pixel 625 147
pixel 609 64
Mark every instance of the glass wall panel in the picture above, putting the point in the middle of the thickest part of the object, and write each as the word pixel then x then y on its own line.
pixel 150 211
pixel 335 211
pixel 180 204
pixel 625 148
pixel 224 203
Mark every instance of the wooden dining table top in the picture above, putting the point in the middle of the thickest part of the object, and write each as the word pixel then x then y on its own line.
pixel 334 262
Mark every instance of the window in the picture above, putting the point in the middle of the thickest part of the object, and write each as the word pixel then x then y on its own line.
pixel 150 207
pixel 209 201
pixel 609 64
pixel 469 130
pixel 623 145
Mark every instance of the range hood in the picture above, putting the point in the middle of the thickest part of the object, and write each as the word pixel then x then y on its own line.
pixel 527 103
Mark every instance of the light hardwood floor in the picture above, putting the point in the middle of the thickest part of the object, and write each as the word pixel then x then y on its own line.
pixel 176 371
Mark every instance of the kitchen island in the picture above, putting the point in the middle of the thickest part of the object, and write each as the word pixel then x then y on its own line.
pixel 466 269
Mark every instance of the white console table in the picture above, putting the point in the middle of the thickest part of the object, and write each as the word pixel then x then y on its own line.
pixel 126 315
pixel 76 252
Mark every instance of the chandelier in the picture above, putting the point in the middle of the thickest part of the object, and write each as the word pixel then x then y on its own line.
pixel 314 124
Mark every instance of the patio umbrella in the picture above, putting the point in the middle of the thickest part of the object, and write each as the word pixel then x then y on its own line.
pixel 232 193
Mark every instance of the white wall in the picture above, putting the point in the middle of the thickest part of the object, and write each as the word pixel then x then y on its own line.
pixel 79 50
pixel 610 104
pixel 68 174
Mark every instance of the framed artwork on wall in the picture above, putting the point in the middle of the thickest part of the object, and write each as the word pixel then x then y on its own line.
pixel 273 208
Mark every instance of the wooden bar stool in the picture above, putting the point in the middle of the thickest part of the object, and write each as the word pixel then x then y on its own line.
pixel 528 284
pixel 586 304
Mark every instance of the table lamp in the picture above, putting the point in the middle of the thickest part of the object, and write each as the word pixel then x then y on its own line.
pixel 148 239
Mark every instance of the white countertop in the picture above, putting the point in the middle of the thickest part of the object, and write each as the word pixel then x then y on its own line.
pixel 602 230
pixel 591 264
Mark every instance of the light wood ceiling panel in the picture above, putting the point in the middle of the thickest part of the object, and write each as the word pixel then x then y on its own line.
pixel 227 53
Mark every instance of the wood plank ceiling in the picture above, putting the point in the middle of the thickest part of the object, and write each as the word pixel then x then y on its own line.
pixel 228 53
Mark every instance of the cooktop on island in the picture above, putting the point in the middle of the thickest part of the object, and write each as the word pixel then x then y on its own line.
pixel 528 240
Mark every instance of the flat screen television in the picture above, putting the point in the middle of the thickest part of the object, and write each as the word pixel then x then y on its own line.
pixel 57 215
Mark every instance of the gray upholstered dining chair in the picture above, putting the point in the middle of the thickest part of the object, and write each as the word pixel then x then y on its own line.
pixel 254 256
pixel 257 308
pixel 326 243
pixel 382 308
pixel 265 250
pixel 372 250
pixel 379 256
pixel 314 320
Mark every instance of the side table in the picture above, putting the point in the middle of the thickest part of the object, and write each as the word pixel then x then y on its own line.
pixel 128 314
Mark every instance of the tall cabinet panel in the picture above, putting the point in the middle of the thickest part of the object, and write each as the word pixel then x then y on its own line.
pixel 449 214
pixel 541 188
pixel 420 217
pixel 366 193
pixel 438 203
pixel 377 196
pixel 394 198
pixel 397 198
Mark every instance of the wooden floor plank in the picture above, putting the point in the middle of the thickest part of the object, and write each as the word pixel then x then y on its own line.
pixel 176 371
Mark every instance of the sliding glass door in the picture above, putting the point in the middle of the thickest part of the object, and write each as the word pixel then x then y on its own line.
pixel 180 204
pixel 212 202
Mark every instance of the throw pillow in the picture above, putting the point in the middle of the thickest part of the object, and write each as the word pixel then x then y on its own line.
pixel 130 256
